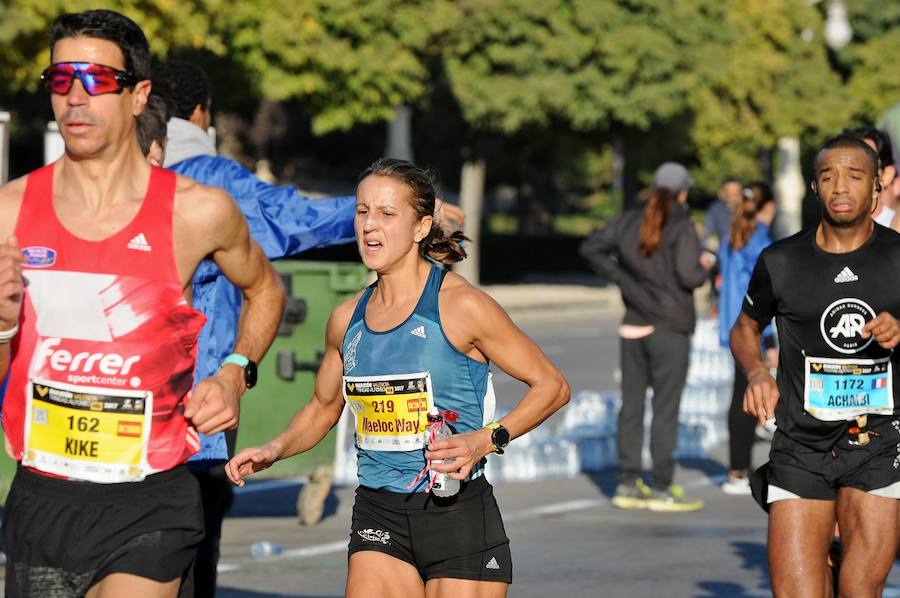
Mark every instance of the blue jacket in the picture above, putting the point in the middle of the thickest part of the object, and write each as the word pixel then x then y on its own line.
pixel 281 220
pixel 736 268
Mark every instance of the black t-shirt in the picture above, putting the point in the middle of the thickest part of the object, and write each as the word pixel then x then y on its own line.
pixel 820 301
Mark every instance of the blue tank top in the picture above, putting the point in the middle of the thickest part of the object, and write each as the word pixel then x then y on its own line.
pixel 384 375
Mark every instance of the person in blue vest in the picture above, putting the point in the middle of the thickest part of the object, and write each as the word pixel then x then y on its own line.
pixel 409 354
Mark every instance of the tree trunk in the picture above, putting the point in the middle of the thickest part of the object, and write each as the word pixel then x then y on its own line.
pixel 54 145
pixel 4 147
pixel 399 134
pixel 471 198
pixel 789 188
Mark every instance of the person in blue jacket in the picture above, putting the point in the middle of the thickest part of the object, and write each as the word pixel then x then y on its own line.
pixel 281 220
pixel 748 234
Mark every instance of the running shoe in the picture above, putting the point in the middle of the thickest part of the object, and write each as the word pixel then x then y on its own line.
pixel 632 495
pixel 672 500
pixel 737 485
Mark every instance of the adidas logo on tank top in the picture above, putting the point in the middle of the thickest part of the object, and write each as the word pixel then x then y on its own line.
pixel 846 275
pixel 418 331
pixel 139 242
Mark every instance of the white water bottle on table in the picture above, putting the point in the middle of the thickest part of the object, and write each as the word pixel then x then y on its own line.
pixel 442 484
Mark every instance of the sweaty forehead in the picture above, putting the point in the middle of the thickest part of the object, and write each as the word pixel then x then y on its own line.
pixel 854 158
pixel 88 49
pixel 382 191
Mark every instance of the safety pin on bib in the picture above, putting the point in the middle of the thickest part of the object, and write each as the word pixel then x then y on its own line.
pixel 859 433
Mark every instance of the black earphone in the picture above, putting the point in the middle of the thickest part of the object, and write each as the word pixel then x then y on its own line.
pixel 815 186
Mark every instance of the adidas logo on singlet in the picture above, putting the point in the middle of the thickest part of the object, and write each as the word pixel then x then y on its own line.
pixel 492 564
pixel 846 275
pixel 139 242
pixel 418 331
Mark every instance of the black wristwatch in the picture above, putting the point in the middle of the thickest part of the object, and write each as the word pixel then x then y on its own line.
pixel 499 436
pixel 247 364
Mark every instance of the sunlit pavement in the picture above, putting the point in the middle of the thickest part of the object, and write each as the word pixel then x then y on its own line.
pixel 566 539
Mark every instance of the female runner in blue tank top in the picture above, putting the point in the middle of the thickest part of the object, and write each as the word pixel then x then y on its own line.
pixel 418 340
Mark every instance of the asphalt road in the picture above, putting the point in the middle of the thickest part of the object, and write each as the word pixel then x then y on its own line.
pixel 566 538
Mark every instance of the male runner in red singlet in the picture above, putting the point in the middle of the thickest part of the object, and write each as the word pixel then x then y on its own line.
pixel 99 337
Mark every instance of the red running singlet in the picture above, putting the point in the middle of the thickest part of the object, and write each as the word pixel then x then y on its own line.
pixel 107 344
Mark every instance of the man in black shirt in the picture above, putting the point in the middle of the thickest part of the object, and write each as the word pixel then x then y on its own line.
pixel 835 457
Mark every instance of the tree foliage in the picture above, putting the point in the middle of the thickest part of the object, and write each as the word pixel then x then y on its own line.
pixel 351 62
pixel 767 78
pixel 719 79
pixel 871 58
pixel 587 63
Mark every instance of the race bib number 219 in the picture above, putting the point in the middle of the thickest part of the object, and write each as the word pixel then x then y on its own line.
pixel 391 411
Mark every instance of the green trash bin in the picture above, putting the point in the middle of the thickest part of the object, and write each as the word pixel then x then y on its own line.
pixel 287 374
pixel 7 472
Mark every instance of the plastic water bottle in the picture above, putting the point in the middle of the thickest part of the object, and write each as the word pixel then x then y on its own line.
pixel 264 549
pixel 443 485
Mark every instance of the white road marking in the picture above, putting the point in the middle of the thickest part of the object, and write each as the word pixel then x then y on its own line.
pixel 556 508
pixel 315 550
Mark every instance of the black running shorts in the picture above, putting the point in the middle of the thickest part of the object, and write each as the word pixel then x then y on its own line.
pixel 814 474
pixel 61 537
pixel 460 538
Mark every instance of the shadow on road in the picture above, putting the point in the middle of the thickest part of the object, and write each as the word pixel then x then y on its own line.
pixel 236 593
pixel 713 469
pixel 753 557
pixel 607 479
pixel 274 499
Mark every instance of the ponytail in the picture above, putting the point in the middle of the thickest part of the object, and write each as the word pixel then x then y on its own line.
pixel 443 248
pixel 656 214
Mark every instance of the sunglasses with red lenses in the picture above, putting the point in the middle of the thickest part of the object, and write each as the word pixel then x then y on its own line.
pixel 96 79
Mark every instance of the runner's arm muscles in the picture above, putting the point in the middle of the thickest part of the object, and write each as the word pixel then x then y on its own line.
pixel 757 311
pixel 761 396
pixel 486 327
pixel 745 340
pixel 12 284
pixel 501 341
pixel 313 421
pixel 245 265
pixel 214 403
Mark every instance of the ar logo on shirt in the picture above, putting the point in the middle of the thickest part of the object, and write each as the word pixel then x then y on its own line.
pixel 842 323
